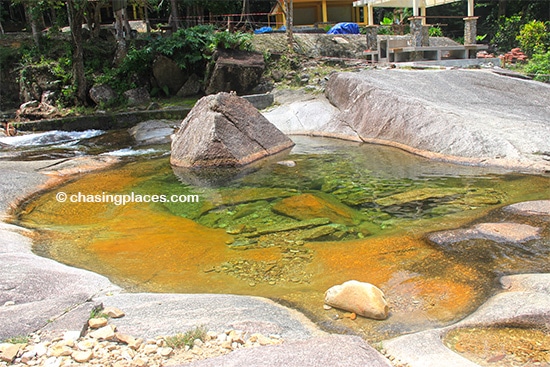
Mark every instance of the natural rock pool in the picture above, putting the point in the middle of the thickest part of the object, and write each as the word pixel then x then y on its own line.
pixel 333 211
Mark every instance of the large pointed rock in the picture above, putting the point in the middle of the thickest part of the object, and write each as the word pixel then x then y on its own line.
pixel 224 130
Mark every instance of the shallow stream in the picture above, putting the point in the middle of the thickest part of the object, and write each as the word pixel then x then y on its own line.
pixel 330 212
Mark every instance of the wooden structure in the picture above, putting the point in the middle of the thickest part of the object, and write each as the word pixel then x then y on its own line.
pixel 418 6
pixel 318 12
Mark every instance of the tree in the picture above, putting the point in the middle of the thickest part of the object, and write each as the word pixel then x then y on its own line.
pixel 175 18
pixel 75 11
pixel 288 10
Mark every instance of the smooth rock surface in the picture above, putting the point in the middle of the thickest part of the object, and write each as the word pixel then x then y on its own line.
pixel 332 350
pixel 361 298
pixel 150 315
pixel 524 301
pixel 42 290
pixel 224 130
pixel 488 119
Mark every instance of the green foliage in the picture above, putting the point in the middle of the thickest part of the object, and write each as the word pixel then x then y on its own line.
pixel 186 339
pixel 190 48
pixel 229 40
pixel 534 38
pixel 97 312
pixel 18 340
pixel 507 32
pixel 539 67
pixel 435 32
pixel 386 21
pixel 481 37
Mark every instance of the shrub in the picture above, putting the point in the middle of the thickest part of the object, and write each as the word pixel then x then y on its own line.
pixel 507 32
pixel 534 38
pixel 539 67
pixel 186 339
pixel 435 32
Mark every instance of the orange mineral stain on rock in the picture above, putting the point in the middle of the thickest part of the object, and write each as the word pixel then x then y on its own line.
pixel 418 282
pixel 309 206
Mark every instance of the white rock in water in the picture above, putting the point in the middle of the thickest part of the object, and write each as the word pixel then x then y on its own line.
pixel 287 163
pixel 364 299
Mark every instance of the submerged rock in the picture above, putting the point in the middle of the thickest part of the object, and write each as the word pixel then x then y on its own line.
pixel 497 232
pixel 362 298
pixel 152 132
pixel 308 206
pixel 224 130
pixel 537 207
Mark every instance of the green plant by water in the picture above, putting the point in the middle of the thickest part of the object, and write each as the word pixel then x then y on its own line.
pixel 181 340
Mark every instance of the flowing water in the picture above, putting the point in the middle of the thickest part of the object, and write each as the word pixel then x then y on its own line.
pixel 333 211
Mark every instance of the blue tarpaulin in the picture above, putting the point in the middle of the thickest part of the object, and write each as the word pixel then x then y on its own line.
pixel 263 30
pixel 344 28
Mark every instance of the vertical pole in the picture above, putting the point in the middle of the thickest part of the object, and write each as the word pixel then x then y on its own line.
pixel 324 9
pixel 371 14
pixel 415 8
pixel 470 8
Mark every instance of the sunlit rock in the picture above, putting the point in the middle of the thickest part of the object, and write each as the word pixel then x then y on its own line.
pixel 536 207
pixel 224 130
pixel 364 299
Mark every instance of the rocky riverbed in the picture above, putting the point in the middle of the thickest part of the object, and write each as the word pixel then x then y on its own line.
pixel 51 302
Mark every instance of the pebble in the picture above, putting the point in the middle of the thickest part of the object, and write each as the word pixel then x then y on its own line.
pixel 97 322
pixel 113 312
pixel 123 350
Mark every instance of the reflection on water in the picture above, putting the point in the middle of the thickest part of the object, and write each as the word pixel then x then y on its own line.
pixel 343 211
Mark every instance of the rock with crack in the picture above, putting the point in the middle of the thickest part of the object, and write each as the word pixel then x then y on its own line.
pixel 224 130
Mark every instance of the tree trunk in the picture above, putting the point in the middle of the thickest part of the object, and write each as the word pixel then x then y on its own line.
pixel 119 36
pixel 97 20
pixel 290 23
pixel 502 8
pixel 75 10
pixel 30 14
pixel 175 16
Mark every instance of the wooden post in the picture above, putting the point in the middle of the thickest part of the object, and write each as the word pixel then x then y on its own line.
pixel 324 11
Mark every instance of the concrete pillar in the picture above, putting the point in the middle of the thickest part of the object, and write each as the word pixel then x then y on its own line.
pixel 419 32
pixel 470 30
pixel 415 8
pixel 372 42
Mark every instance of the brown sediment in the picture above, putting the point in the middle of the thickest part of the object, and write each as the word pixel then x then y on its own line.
pixel 501 347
